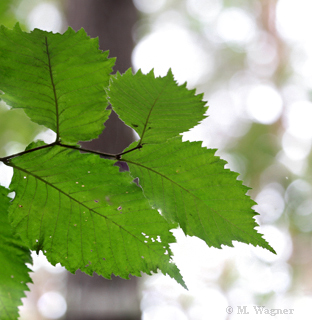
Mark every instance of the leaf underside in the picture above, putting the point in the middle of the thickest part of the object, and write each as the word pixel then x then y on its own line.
pixel 187 183
pixel 190 186
pixel 13 271
pixel 82 212
pixel 156 108
pixel 58 79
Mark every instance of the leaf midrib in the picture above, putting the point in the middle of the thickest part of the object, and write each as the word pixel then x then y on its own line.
pixel 54 90
pixel 150 112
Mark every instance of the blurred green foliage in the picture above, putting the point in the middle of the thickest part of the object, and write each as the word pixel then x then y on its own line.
pixel 16 130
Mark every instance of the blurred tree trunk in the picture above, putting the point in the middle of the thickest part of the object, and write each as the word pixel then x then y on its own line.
pixel 95 298
pixel 112 21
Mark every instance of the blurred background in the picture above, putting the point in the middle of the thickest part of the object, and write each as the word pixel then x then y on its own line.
pixel 253 62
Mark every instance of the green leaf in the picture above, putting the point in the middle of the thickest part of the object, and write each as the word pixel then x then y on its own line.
pixel 13 271
pixel 57 79
pixel 190 186
pixel 82 212
pixel 156 108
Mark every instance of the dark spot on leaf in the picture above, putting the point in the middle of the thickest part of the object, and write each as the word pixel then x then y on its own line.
pixel 134 125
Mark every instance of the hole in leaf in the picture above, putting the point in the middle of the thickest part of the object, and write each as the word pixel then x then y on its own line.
pixel 11 195
pixel 123 166
pixel 136 181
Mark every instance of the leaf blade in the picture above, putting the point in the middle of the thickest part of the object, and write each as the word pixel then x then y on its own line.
pixel 82 212
pixel 156 108
pixel 190 186
pixel 52 77
pixel 14 274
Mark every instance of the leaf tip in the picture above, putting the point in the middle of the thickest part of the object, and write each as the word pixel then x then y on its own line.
pixel 175 274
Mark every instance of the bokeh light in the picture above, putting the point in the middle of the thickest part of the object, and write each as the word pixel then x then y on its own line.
pixel 45 16
pixel 204 10
pixel 149 6
pixel 264 104
pixel 172 46
pixel 298 119
pixel 52 305
pixel 234 25
pixel 293 20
